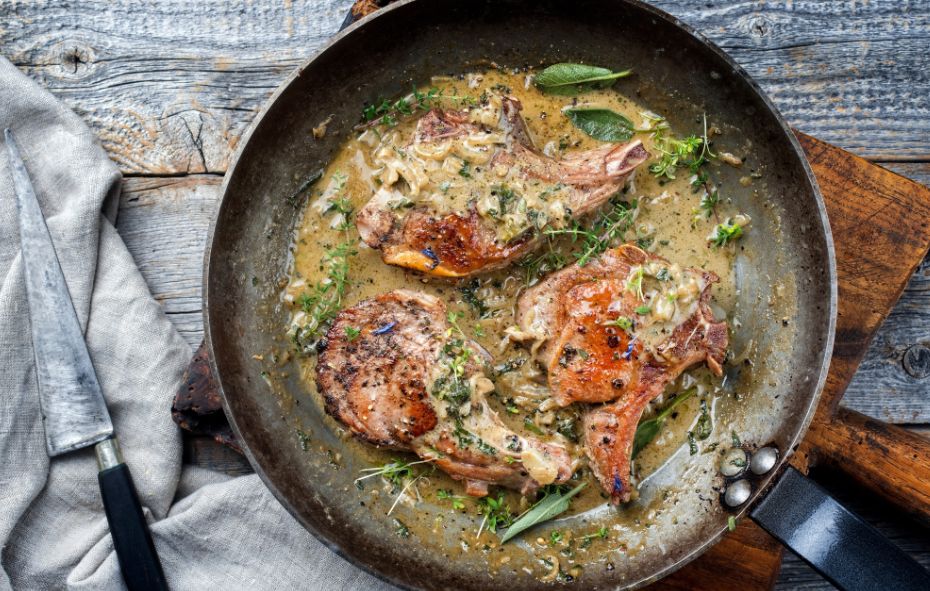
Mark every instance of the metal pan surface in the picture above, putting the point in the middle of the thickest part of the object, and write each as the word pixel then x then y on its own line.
pixel 677 72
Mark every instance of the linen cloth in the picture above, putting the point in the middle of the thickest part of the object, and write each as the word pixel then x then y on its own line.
pixel 211 531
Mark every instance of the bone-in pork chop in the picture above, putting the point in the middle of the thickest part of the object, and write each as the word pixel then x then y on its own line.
pixel 469 192
pixel 618 331
pixel 399 375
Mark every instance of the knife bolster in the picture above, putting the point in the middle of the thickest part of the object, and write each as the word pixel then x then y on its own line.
pixel 108 454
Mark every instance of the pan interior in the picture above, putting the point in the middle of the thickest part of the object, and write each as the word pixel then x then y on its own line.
pixel 784 270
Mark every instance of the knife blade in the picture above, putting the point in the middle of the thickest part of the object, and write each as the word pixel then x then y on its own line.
pixel 73 406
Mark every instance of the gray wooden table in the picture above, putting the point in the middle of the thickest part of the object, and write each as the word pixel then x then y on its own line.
pixel 169 87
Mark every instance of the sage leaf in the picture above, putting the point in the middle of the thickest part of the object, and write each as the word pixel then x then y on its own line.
pixel 601 124
pixel 550 506
pixel 647 430
pixel 570 79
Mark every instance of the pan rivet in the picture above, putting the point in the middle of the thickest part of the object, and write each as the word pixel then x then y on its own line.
pixel 763 460
pixel 733 463
pixel 737 493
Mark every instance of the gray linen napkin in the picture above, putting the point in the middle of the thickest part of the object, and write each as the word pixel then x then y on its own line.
pixel 223 533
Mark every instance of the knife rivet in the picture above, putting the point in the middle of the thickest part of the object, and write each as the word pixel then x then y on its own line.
pixel 737 493
pixel 733 462
pixel 763 460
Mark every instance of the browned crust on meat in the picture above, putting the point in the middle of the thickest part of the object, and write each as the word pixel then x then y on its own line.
pixel 577 304
pixel 349 369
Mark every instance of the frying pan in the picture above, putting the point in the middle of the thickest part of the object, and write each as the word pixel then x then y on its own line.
pixel 679 74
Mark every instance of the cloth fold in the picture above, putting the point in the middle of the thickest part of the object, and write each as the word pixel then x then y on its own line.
pixel 222 533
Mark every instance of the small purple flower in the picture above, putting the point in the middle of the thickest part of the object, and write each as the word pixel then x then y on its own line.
pixel 629 349
pixel 618 485
pixel 428 252
pixel 384 329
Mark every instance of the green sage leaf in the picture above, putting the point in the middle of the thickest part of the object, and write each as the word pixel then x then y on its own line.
pixel 649 429
pixel 570 79
pixel 601 124
pixel 547 508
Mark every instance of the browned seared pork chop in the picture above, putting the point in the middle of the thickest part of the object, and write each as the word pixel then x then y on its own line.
pixel 408 380
pixel 618 331
pixel 470 192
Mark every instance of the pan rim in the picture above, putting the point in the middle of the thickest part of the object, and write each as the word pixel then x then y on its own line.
pixel 825 357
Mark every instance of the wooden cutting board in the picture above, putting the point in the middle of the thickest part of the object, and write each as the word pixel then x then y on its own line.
pixel 881 230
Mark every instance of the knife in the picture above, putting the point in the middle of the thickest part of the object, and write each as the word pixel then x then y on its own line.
pixel 73 408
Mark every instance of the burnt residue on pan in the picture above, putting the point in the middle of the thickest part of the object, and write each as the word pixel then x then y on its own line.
pixel 311 465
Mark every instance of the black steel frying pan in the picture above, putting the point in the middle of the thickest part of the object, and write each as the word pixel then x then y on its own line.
pixel 678 73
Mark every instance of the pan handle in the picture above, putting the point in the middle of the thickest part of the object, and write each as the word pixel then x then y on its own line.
pixel 836 542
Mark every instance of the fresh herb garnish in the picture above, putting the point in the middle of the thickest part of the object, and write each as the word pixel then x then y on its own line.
pixel 548 260
pixel 555 537
pixel 399 474
pixel 601 124
pixel 401 529
pixel 587 539
pixel 294 198
pixel 709 204
pixel 705 424
pixel 735 439
pixel 623 323
pixel 469 293
pixel 691 152
pixel 569 79
pixel 634 284
pixel 566 427
pixel 642 310
pixel 324 300
pixel 724 233
pixel 554 502
pixel 509 365
pixel 352 333
pixel 496 513
pixel 387 112
pixel 692 444
pixel 602 234
pixel 531 426
pixel 465 170
pixel 648 429
pixel 458 503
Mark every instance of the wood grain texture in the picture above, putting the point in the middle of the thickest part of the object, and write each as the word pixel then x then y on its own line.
pixel 164 222
pixel 881 232
pixel 169 87
pixel 881 387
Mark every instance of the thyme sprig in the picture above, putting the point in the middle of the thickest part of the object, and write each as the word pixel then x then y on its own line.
pixel 496 513
pixel 603 233
pixel 399 474
pixel 386 112
pixel 691 152
pixel 324 300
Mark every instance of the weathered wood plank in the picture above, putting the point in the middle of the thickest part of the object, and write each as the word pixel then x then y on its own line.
pixel 164 222
pixel 882 388
pixel 170 87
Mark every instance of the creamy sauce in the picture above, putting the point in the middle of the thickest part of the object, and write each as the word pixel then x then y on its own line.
pixel 668 222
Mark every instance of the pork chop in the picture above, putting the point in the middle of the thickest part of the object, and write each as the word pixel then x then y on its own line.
pixel 470 192
pixel 618 331
pixel 400 376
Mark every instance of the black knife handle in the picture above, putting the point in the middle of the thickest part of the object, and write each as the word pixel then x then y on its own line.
pixel 842 547
pixel 132 539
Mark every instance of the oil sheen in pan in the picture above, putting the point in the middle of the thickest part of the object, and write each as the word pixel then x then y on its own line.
pixel 669 473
